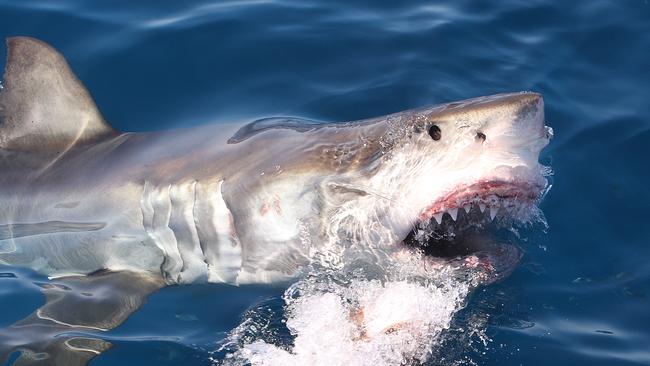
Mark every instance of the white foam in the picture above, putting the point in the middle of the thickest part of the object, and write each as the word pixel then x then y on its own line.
pixel 363 321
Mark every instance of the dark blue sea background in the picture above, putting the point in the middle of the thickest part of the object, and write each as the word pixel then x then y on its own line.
pixel 581 295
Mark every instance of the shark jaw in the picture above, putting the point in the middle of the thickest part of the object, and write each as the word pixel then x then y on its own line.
pixel 491 197
pixel 459 224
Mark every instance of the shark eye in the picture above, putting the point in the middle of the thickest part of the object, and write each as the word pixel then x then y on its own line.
pixel 480 136
pixel 435 133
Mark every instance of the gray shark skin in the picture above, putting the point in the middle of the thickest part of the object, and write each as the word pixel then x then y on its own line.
pixel 250 203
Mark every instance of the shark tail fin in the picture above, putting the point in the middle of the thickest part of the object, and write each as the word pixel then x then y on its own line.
pixel 42 103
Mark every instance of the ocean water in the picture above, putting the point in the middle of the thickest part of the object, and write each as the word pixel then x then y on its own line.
pixel 581 294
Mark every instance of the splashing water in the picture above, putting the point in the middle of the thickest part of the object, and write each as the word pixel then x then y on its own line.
pixel 360 319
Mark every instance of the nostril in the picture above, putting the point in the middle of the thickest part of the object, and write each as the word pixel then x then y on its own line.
pixel 480 136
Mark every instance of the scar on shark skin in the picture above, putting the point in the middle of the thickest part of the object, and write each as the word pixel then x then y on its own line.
pixel 273 205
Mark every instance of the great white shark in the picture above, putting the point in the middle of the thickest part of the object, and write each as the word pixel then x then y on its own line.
pixel 248 203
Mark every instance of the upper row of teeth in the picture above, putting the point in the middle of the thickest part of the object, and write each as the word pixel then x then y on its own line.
pixel 453 212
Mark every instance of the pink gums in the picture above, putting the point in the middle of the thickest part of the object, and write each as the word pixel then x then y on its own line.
pixel 481 192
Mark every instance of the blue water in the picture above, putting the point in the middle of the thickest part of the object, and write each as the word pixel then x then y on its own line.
pixel 582 292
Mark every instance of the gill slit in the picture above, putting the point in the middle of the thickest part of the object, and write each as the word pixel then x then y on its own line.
pixel 202 242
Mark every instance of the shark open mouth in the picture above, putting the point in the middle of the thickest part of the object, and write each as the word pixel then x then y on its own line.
pixel 462 225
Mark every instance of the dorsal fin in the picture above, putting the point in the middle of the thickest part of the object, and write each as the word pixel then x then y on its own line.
pixel 261 125
pixel 42 104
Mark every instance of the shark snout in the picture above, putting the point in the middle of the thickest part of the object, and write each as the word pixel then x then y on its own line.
pixel 517 116
pixel 513 119
pixel 530 113
pixel 524 111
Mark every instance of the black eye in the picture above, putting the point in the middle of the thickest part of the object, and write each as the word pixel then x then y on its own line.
pixel 435 133
pixel 480 136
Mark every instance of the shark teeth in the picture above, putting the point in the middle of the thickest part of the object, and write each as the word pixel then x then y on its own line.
pixel 480 211
pixel 453 212
pixel 493 212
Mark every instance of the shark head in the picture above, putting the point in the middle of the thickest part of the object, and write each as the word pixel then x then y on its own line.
pixel 370 185
pixel 479 154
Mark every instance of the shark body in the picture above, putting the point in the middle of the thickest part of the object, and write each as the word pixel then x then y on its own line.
pixel 227 203
pixel 250 203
